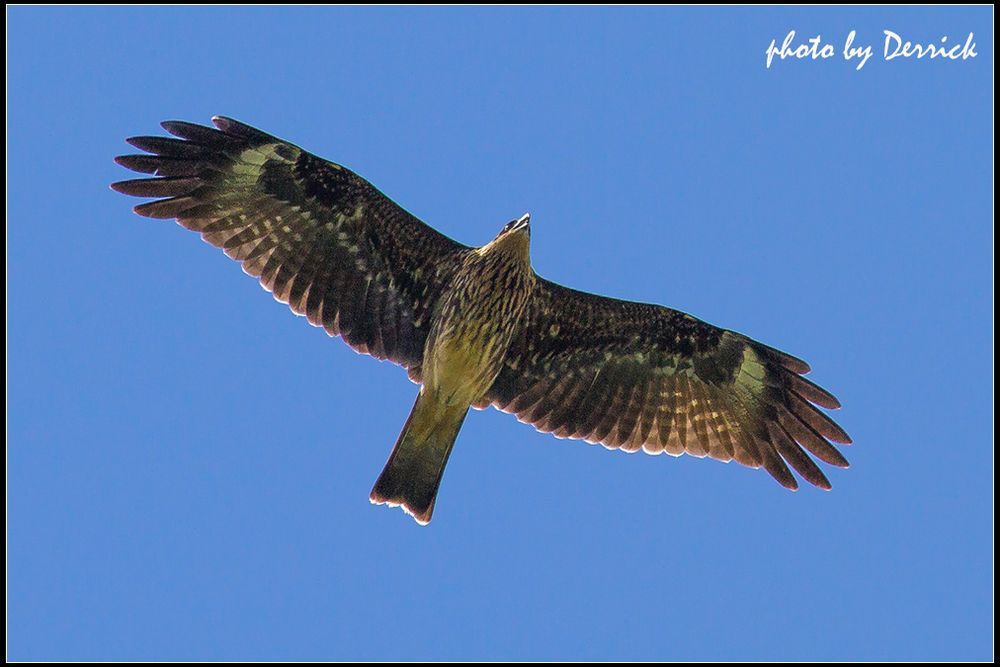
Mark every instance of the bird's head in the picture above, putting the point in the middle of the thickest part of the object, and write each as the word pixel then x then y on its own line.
pixel 520 226
pixel 514 238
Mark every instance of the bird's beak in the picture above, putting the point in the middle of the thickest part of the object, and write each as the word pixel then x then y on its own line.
pixel 522 223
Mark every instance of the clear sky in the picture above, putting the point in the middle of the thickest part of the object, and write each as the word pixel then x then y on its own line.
pixel 189 464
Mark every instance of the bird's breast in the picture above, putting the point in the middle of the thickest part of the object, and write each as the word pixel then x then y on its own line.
pixel 478 317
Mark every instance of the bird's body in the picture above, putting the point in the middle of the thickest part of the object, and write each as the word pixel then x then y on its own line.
pixel 477 326
pixel 480 312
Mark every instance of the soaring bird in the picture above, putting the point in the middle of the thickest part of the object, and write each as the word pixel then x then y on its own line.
pixel 477 326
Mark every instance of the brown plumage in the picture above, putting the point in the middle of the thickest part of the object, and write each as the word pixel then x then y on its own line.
pixel 477 326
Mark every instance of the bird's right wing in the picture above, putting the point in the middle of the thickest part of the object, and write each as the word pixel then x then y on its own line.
pixel 318 236
pixel 639 376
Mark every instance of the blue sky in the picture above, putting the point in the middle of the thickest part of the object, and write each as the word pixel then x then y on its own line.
pixel 189 464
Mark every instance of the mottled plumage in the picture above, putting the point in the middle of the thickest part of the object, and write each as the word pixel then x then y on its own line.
pixel 477 326
pixel 320 238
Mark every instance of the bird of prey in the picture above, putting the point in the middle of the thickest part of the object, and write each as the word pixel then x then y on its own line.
pixel 477 326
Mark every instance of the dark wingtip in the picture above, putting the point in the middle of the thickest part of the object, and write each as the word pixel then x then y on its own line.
pixel 137 142
pixel 157 187
pixel 180 128
pixel 835 458
pixel 813 392
pixel 793 363
pixel 234 128
pixel 165 209
pixel 809 390
pixel 781 474
pixel 817 478
pixel 837 434
pixel 126 161
pixel 145 211
pixel 227 124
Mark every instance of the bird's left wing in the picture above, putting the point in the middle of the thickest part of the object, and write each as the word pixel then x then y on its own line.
pixel 318 236
pixel 639 376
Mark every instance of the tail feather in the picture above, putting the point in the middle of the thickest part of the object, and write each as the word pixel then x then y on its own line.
pixel 413 472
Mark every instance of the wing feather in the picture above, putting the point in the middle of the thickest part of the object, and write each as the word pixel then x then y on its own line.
pixel 316 235
pixel 636 376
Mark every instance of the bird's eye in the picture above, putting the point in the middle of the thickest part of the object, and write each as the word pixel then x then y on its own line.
pixel 509 225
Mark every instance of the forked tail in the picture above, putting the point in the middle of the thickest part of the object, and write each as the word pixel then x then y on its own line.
pixel 413 472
